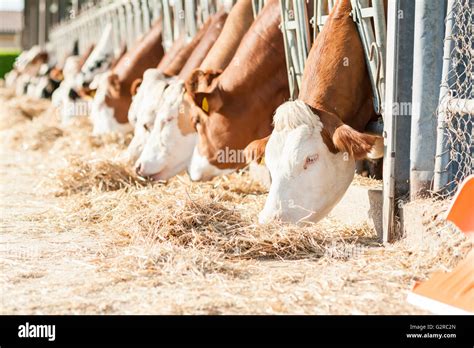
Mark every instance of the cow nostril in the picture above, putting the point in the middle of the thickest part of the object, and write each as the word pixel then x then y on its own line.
pixel 139 169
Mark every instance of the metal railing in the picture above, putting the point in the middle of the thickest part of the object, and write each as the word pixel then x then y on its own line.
pixel 131 19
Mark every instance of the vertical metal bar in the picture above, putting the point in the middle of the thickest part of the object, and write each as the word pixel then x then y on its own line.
pixel 427 71
pixel 42 23
pixel 396 171
pixel 190 13
pixel 146 15
pixel 167 26
pixel 441 176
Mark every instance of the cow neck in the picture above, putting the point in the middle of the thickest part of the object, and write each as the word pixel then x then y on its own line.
pixel 177 64
pixel 146 54
pixel 335 80
pixel 237 24
pixel 259 64
pixel 205 44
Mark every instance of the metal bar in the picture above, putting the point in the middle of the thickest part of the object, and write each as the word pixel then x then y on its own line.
pixel 396 171
pixel 190 13
pixel 167 26
pixel 427 71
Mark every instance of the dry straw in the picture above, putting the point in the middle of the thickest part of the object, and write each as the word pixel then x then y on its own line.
pixel 200 241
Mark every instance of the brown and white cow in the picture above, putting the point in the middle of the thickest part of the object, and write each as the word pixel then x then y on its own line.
pixel 236 107
pixel 148 92
pixel 169 146
pixel 316 139
pixel 109 111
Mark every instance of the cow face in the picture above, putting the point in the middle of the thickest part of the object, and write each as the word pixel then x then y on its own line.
pixel 108 106
pixel 214 129
pixel 171 141
pixel 147 95
pixel 311 166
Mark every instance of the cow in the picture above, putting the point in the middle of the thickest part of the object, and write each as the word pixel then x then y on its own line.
pixel 147 99
pixel 236 106
pixel 49 78
pixel 316 139
pixel 109 109
pixel 28 65
pixel 172 140
pixel 99 60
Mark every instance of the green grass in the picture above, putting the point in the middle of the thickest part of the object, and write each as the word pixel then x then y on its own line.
pixel 7 58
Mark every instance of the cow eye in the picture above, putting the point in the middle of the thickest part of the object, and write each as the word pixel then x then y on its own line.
pixel 310 160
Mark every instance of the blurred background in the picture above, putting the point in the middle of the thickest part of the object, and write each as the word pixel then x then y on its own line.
pixel 25 23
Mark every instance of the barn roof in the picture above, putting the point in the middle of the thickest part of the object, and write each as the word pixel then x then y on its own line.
pixel 11 21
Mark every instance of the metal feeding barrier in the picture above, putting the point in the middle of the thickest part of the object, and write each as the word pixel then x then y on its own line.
pixel 373 39
pixel 296 37
pixel 297 24
pixel 131 19
pixel 257 6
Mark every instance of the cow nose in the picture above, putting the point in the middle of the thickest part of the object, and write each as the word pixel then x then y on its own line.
pixel 269 216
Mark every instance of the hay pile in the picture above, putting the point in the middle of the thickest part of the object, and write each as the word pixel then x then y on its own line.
pixel 16 110
pixel 183 247
pixel 104 175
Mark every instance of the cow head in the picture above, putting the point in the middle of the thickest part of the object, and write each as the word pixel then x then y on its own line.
pixel 147 93
pixel 99 60
pixel 215 128
pixel 311 159
pixel 172 140
pixel 110 104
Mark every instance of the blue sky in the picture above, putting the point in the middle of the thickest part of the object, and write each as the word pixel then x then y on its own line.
pixel 15 5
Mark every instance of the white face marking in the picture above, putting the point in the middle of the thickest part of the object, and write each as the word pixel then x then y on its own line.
pixel 167 151
pixel 143 109
pixel 307 179
pixel 102 116
pixel 201 170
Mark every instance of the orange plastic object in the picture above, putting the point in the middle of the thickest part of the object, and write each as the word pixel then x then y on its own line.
pixel 453 292
pixel 448 293
pixel 461 212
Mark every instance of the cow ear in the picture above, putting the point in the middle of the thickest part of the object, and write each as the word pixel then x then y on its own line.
pixel 255 151
pixel 202 87
pixel 201 81
pixel 114 85
pixel 135 85
pixel 208 102
pixel 357 145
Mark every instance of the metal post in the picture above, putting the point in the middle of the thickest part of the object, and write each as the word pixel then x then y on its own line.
pixel 42 23
pixel 427 69
pixel 397 125
pixel 441 175
pixel 190 13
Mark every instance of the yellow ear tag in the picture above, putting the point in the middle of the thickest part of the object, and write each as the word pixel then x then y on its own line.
pixel 205 105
